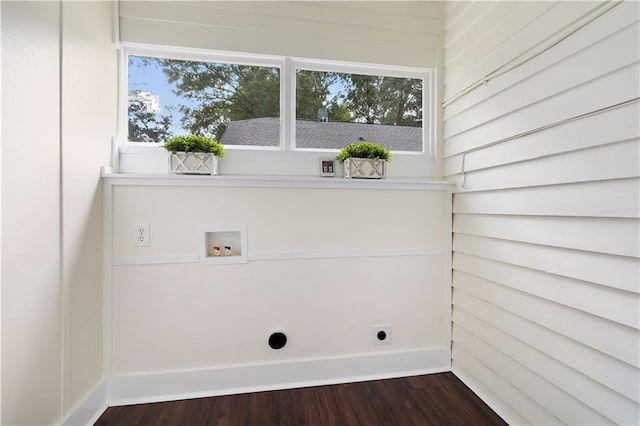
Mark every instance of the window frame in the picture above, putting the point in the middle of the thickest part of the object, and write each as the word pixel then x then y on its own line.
pixel 194 55
pixel 288 66
pixel 366 69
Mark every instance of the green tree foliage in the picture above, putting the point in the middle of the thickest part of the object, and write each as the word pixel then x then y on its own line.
pixel 219 93
pixel 384 100
pixel 403 101
pixel 146 125
pixel 339 112
pixel 312 90
pixel 215 94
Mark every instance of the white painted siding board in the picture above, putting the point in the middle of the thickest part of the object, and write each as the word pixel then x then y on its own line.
pixel 425 9
pixel 542 23
pixel 617 198
pixel 618 306
pixel 615 20
pixel 611 53
pixel 492 41
pixel 497 404
pixel 574 102
pixel 594 131
pixel 331 12
pixel 607 270
pixel 240 40
pixel 468 18
pixel 377 34
pixel 349 11
pixel 587 391
pixel 616 375
pixel 615 340
pixel 604 235
pixel 331 25
pixel 550 216
pixel 457 15
pixel 463 43
pixel 560 404
pixel 578 166
pixel 453 11
pixel 527 411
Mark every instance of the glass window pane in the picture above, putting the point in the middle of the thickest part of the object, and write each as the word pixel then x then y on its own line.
pixel 335 109
pixel 235 104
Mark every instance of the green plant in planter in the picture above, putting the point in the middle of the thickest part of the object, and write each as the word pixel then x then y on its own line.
pixel 364 150
pixel 194 143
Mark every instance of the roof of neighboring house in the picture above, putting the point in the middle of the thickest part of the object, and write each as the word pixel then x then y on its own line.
pixel 324 135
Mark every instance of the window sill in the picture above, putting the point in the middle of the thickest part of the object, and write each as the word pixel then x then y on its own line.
pixel 272 181
pixel 153 160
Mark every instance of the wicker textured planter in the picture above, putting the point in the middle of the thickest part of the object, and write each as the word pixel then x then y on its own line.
pixel 364 168
pixel 193 163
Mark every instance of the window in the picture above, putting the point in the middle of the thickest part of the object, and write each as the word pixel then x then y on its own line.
pixel 335 108
pixel 239 103
pixel 169 97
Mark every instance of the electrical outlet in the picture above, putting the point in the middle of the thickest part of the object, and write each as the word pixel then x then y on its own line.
pixel 141 235
pixel 381 334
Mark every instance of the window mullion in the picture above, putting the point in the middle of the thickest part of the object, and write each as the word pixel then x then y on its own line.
pixel 288 105
pixel 123 94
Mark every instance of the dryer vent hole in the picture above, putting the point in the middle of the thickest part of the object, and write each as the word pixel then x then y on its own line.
pixel 277 340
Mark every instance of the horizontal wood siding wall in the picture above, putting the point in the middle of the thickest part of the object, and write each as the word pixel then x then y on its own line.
pixel 394 33
pixel 541 137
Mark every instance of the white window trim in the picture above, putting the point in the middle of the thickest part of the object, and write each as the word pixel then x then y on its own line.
pixel 368 69
pixel 409 163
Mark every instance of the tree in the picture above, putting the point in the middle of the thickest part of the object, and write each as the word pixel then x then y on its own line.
pixel 219 93
pixel 312 93
pixel 403 106
pixel 339 111
pixel 145 124
pixel 384 100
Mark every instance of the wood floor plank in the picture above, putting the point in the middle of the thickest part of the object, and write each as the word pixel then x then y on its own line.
pixel 433 399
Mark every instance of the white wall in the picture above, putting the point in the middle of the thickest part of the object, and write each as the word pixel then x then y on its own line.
pixel 1 116
pixel 58 103
pixel 395 33
pixel 31 300
pixel 325 265
pixel 89 98
pixel 545 281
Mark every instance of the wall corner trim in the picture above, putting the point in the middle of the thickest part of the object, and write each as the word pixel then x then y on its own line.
pixel 157 387
pixel 500 407
pixel 90 409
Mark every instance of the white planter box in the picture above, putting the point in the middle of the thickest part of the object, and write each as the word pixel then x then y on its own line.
pixel 193 163
pixel 364 168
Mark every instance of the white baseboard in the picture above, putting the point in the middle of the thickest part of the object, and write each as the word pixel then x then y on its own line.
pixel 90 409
pixel 488 397
pixel 146 388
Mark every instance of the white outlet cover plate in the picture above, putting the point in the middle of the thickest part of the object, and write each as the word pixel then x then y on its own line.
pixel 141 235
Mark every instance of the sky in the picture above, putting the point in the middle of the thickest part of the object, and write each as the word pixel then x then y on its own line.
pixel 150 78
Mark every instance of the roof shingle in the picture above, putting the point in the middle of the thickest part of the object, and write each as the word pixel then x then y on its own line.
pixel 323 135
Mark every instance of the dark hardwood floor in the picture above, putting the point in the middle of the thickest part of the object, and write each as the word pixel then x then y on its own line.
pixel 435 399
